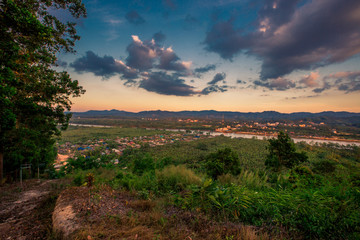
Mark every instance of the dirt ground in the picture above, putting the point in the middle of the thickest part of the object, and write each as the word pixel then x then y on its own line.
pixel 104 213
pixel 25 213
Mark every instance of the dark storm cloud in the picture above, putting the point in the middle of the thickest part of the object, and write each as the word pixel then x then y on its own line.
pixel 105 66
pixel 225 40
pixel 159 37
pixel 134 18
pixel 217 78
pixel 288 37
pixel 214 88
pixel 277 12
pixel 162 83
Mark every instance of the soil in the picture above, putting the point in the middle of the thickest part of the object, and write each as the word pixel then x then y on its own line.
pixel 104 213
pixel 25 213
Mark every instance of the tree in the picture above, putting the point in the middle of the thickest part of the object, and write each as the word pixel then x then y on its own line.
pixel 33 94
pixel 282 152
pixel 222 162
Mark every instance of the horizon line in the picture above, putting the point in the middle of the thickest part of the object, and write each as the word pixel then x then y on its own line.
pixel 208 110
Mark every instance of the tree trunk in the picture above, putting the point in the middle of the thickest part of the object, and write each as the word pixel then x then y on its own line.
pixel 1 165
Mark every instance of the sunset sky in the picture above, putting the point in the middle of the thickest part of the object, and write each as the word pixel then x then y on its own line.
pixel 225 55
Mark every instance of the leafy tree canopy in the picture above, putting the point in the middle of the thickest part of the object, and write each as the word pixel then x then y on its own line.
pixel 282 153
pixel 33 94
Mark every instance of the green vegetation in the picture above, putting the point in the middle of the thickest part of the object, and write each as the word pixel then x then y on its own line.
pixel 282 153
pixel 82 134
pixel 227 180
pixel 33 94
pixel 222 162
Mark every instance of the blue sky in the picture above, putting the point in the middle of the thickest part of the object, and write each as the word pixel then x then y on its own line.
pixel 282 55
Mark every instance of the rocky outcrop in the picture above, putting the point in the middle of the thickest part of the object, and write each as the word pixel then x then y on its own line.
pixel 65 222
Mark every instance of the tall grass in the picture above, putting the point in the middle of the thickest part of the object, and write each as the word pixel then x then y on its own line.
pixel 176 178
pixel 249 179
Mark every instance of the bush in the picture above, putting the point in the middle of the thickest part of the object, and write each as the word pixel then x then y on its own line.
pixel 79 178
pixel 143 163
pixel 324 166
pixel 222 162
pixel 282 152
pixel 224 202
pixel 163 162
pixel 176 178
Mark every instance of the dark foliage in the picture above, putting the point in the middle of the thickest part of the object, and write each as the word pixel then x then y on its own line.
pixel 282 153
pixel 33 95
pixel 222 162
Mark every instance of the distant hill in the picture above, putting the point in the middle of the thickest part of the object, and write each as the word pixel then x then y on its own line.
pixel 328 117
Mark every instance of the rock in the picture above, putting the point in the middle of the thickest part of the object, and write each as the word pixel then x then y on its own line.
pixel 64 219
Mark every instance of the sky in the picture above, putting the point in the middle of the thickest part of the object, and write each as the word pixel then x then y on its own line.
pixel 225 55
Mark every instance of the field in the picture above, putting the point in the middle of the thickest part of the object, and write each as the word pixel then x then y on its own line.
pixel 227 181
pixel 76 134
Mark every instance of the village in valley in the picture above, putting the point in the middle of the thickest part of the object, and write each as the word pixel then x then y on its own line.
pixel 115 147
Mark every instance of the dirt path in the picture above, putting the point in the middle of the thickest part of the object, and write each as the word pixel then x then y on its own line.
pixel 26 213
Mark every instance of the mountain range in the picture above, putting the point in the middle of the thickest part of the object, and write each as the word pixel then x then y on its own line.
pixel 328 116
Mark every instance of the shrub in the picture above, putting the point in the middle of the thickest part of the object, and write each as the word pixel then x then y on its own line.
pixel 224 202
pixel 248 179
pixel 222 162
pixel 143 163
pixel 176 178
pixel 282 152
pixel 79 178
pixel 324 166
pixel 163 162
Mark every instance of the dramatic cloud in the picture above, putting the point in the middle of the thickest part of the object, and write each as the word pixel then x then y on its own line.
pixel 151 67
pixel 311 80
pixel 105 66
pixel 217 78
pixel 141 55
pixel 162 83
pixel 292 35
pixel 170 61
pixel 134 18
pixel 280 84
pixel 225 40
